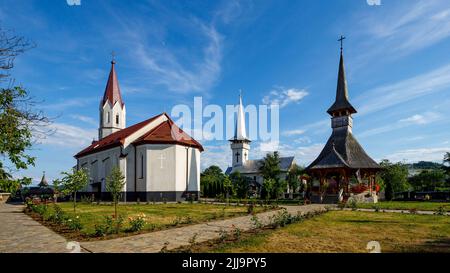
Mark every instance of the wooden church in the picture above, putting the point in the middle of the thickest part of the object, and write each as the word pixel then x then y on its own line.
pixel 343 158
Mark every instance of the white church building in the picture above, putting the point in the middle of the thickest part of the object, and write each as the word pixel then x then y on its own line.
pixel 159 161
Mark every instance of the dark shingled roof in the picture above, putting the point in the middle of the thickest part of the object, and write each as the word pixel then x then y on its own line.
pixel 343 150
pixel 252 166
pixel 341 102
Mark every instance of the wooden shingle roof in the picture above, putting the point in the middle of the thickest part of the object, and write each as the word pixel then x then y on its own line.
pixel 343 150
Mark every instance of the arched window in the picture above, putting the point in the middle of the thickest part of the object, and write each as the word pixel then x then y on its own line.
pixel 117 119
pixel 142 166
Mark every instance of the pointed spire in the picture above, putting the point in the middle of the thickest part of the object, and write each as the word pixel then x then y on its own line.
pixel 112 90
pixel 341 102
pixel 43 182
pixel 239 130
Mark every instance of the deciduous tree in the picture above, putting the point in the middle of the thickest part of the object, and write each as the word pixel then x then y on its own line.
pixel 114 184
pixel 74 181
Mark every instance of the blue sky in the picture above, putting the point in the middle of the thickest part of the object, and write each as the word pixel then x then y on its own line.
pixel 396 55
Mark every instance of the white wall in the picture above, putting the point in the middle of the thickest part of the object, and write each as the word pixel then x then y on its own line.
pixel 168 175
pixel 160 173
pixel 192 155
pixel 105 161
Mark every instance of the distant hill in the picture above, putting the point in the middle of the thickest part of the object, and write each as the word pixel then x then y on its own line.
pixel 424 165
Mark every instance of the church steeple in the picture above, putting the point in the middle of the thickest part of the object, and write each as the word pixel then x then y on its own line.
pixel 112 90
pixel 341 111
pixel 240 143
pixel 239 131
pixel 43 182
pixel 112 107
pixel 341 104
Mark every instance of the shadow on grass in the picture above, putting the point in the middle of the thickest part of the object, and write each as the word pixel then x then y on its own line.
pixel 438 245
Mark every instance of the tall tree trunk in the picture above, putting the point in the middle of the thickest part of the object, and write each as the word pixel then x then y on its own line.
pixel 74 201
pixel 115 209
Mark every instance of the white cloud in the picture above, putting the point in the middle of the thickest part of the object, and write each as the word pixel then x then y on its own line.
pixel 69 103
pixel 219 155
pixel 282 96
pixel 85 119
pixel 417 119
pixel 67 135
pixel 420 154
pixel 168 69
pixel 270 146
pixel 406 28
pixel 403 91
pixel 303 140
pixel 304 155
pixel 421 118
pixel 293 132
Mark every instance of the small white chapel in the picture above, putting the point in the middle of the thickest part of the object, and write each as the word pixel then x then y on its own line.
pixel 159 160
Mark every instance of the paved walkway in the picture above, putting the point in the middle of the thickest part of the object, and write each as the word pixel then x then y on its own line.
pixel 177 237
pixel 20 233
pixel 423 212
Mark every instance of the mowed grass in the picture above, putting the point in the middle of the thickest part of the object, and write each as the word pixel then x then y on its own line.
pixel 349 231
pixel 158 216
pixel 407 205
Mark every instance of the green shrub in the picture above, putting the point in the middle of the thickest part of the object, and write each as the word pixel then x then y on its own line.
pixel 440 211
pixel 256 222
pixel 40 209
pixel 74 224
pixel 188 220
pixel 251 208
pixel 223 235
pixel 87 199
pixel 376 208
pixel 353 204
pixel 178 220
pixel 58 216
pixel 236 232
pixel 118 224
pixel 137 223
pixel 283 218
pixel 100 230
pixel 107 227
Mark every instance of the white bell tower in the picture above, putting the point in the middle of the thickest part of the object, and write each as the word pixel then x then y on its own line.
pixel 112 108
pixel 240 144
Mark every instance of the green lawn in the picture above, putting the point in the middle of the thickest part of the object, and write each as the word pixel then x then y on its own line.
pixel 347 231
pixel 406 205
pixel 158 216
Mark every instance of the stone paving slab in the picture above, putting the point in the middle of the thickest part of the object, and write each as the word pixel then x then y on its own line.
pixel 177 237
pixel 21 234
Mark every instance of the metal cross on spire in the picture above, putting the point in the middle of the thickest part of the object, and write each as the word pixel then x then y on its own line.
pixel 113 56
pixel 341 39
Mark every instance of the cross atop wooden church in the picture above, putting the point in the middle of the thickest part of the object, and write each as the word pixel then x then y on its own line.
pixel 341 39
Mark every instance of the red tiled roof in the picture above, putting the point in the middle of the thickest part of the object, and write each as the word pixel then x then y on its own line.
pixel 168 133
pixel 112 90
pixel 165 133
pixel 114 139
